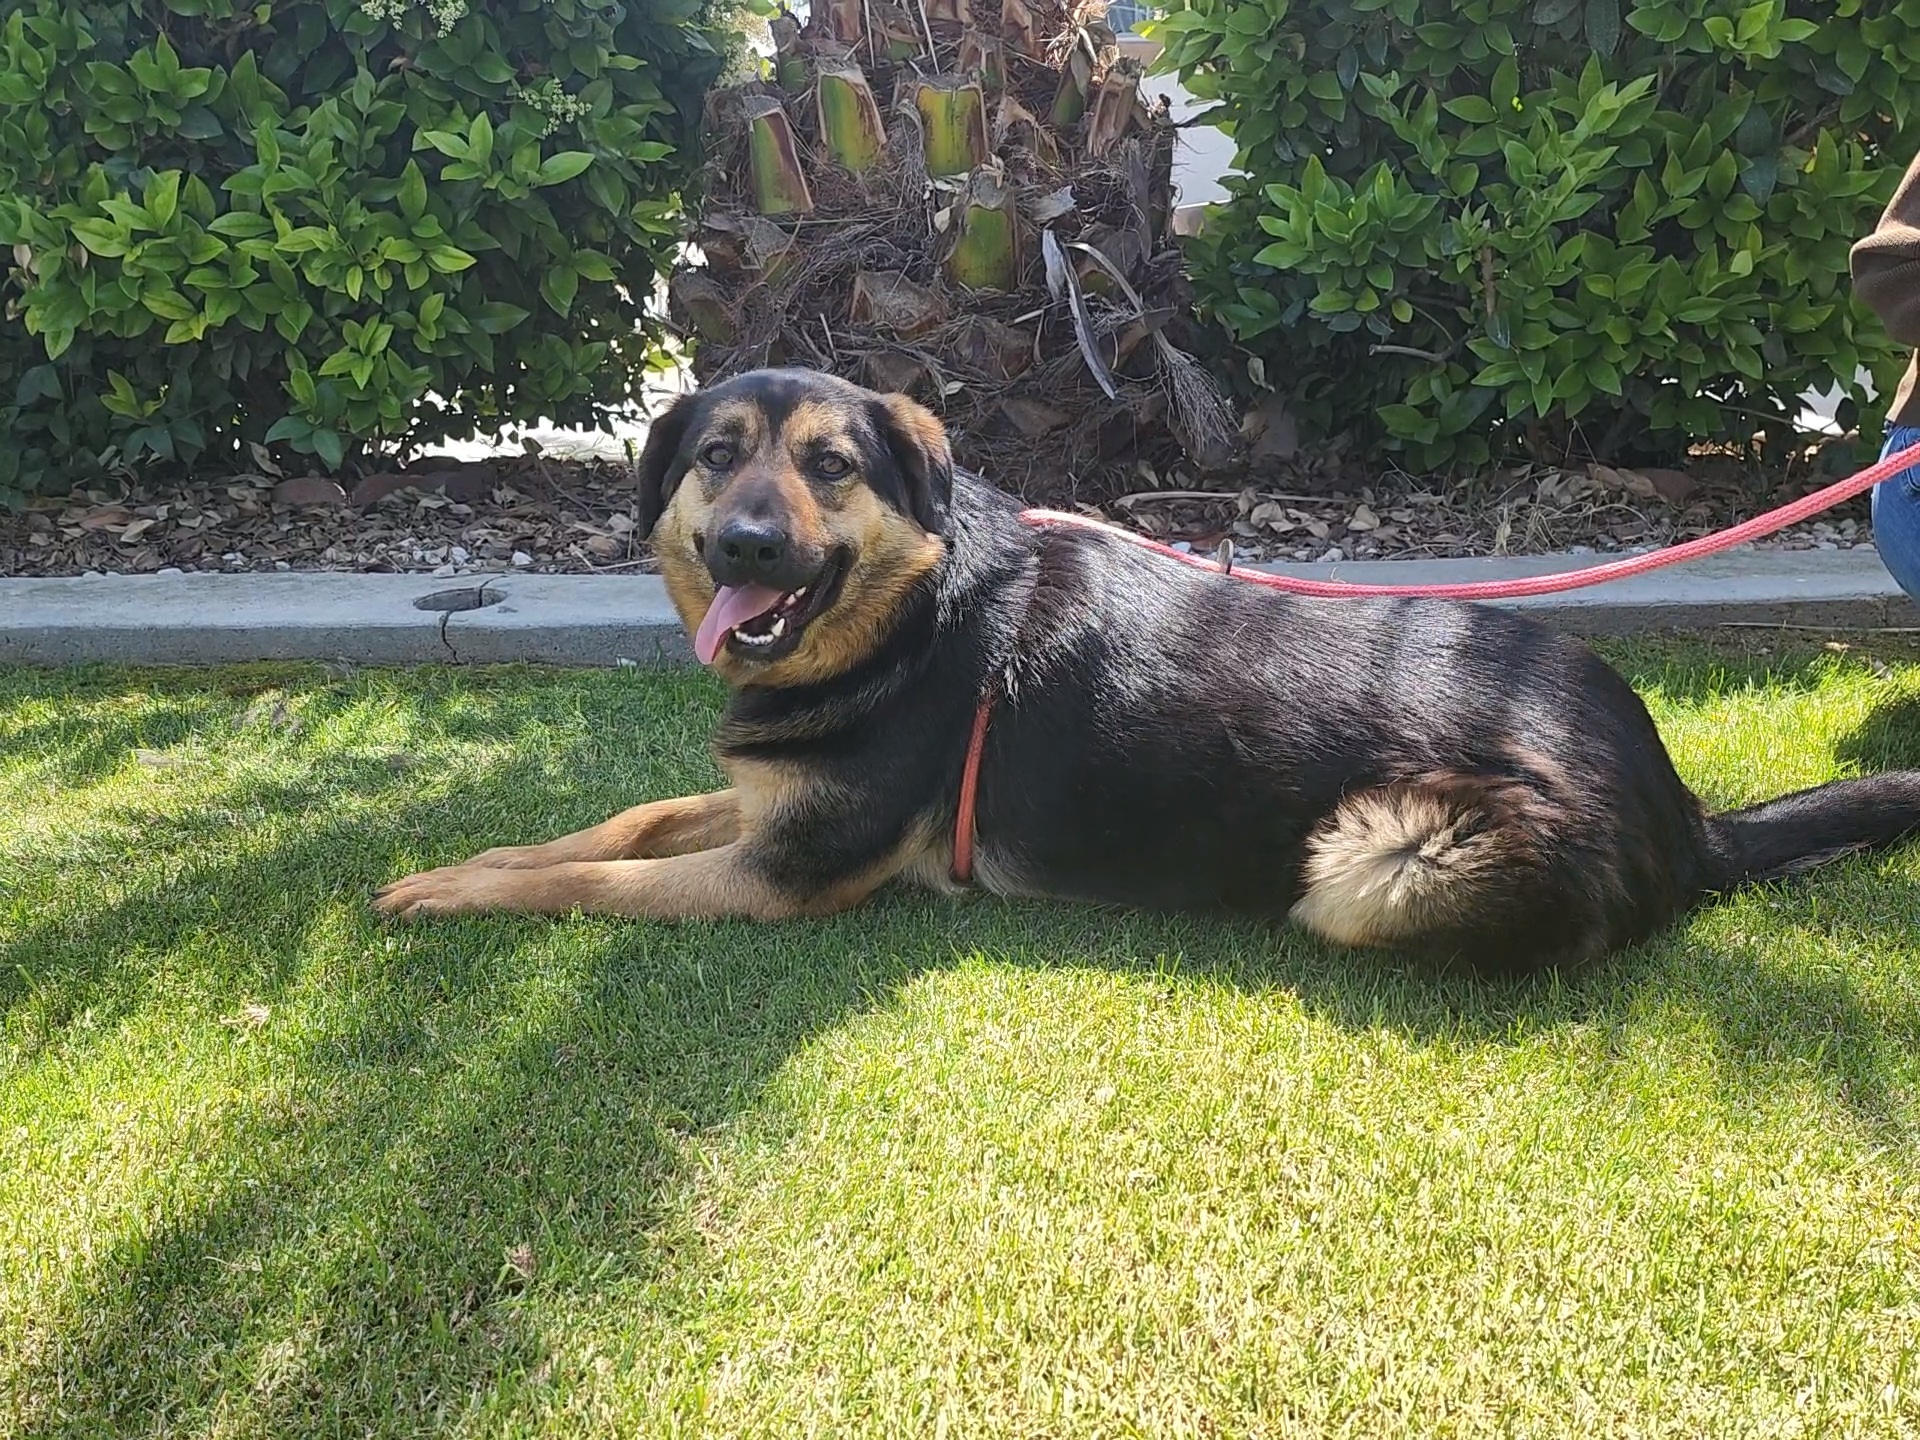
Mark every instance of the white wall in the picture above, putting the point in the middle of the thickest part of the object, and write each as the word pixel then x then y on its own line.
pixel 1202 155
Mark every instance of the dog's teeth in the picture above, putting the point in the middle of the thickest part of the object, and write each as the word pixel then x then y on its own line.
pixel 800 594
pixel 778 628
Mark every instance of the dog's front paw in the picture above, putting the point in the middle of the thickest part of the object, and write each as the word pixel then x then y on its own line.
pixel 452 890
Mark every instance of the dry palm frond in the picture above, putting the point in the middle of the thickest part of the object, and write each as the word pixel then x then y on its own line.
pixel 1017 275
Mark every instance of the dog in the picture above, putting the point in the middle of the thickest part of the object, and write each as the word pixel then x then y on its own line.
pixel 924 687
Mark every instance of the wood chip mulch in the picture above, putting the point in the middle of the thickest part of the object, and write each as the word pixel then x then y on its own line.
pixel 476 517
pixel 538 514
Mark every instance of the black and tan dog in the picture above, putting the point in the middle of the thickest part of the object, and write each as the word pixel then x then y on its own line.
pixel 1434 777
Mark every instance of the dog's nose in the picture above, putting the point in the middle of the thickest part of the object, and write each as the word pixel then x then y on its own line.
pixel 749 552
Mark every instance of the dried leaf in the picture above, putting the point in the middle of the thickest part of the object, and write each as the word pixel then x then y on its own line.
pixel 309 490
pixel 888 301
pixel 107 517
pixel 998 349
pixel 274 712
pixel 249 1018
pixel 1676 487
pixel 1045 209
pixel 1629 481
pixel 1363 518
pixel 1055 262
pixel 521 1261
pixel 1269 427
pixel 1566 487
pixel 1115 109
pixel 1031 417
pixel 1271 515
pixel 1061 279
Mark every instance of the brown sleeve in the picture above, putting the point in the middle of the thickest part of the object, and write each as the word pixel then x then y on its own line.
pixel 1886 265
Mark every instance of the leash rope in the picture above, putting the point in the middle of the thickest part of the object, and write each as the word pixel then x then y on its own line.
pixel 1771 523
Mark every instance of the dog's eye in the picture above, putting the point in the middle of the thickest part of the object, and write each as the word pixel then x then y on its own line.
pixel 832 466
pixel 717 455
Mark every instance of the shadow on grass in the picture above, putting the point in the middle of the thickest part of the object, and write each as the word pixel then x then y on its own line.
pixel 1889 738
pixel 1773 1024
pixel 253 854
pixel 84 742
pixel 488 1111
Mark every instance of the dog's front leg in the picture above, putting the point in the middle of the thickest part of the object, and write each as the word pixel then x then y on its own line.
pixel 660 827
pixel 707 884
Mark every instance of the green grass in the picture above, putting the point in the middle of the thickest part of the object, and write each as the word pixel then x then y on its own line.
pixel 270 1168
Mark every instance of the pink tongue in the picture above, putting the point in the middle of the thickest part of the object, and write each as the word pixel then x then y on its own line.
pixel 732 605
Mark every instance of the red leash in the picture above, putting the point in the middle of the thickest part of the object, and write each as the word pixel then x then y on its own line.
pixel 1757 528
pixel 1760 526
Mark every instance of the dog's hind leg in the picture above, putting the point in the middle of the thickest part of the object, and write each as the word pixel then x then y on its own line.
pixel 651 831
pixel 1466 868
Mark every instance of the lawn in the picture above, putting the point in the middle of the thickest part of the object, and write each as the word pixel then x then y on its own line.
pixel 269 1167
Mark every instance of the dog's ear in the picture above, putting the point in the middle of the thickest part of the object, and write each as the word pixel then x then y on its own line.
pixel 661 465
pixel 918 442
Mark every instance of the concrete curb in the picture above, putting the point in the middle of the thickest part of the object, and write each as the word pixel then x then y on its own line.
pixel 1823 589
pixel 198 619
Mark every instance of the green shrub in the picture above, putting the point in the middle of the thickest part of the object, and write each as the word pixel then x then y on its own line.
pixel 1603 226
pixel 322 223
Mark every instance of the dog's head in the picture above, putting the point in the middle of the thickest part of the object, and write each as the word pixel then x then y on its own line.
pixel 791 512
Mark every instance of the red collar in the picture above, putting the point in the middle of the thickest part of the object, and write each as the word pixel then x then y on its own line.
pixel 962 866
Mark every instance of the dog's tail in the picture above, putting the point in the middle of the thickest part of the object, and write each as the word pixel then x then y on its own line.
pixel 1811 827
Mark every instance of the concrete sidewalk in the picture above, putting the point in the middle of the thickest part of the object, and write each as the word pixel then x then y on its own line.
pixel 199 619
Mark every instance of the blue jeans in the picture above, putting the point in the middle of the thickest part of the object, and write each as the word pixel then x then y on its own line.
pixel 1896 515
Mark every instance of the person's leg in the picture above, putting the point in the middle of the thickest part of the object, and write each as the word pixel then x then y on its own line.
pixel 1896 515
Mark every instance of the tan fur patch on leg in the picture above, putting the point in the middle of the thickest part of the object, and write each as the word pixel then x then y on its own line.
pixel 1391 864
pixel 658 828
pixel 704 884
pixel 729 880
